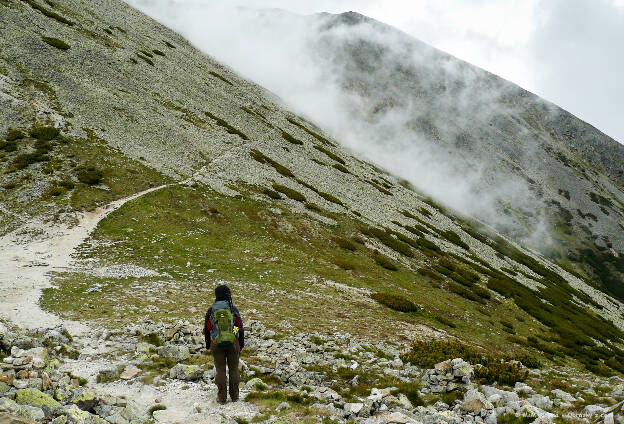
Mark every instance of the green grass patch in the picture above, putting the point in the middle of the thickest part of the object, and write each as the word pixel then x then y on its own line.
pixel 289 138
pixel 155 408
pixel 330 198
pixel 272 194
pixel 14 134
pixel 262 158
pixel 89 175
pixel 386 263
pixel 341 168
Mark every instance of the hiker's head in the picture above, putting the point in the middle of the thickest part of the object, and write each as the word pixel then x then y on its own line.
pixel 223 293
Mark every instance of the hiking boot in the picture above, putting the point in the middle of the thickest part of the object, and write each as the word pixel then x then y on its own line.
pixel 234 399
pixel 221 401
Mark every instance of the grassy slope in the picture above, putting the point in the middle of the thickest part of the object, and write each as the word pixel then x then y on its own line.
pixel 278 266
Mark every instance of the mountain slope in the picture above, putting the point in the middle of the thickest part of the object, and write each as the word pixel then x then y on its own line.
pixel 551 169
pixel 257 197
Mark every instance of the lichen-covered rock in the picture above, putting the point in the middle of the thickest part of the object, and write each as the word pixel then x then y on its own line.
pixel 8 405
pixel 35 397
pixel 186 372
pixel 76 415
pixel 177 353
pixel 31 412
pixel 84 399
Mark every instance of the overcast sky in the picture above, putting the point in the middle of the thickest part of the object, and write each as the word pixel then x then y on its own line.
pixel 570 52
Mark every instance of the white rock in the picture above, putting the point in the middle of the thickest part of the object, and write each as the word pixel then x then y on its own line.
pixel 353 408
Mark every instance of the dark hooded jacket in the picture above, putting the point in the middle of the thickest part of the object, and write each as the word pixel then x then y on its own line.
pixel 223 293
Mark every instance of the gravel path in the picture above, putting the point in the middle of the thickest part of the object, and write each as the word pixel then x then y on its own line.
pixel 30 253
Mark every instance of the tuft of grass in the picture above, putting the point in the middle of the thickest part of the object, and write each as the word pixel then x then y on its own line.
pixel 89 175
pixel 55 42
pixel 8 146
pixel 444 320
pixel 293 194
pixel 341 168
pixel 153 339
pixel 386 238
pixel 314 207
pixel 395 302
pixel 154 408
pixel 330 154
pixel 412 391
pixel 221 77
pixel 230 129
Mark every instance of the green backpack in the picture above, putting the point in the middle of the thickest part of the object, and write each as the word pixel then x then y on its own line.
pixel 223 331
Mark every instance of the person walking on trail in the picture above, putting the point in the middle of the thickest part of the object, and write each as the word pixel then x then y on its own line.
pixel 225 338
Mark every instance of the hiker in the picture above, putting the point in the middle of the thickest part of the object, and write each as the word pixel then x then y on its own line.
pixel 225 338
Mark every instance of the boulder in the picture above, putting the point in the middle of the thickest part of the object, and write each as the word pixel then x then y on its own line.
pixel 35 397
pixel 14 419
pixel 130 372
pixel 592 410
pixel 177 353
pixel 565 396
pixel 474 401
pixel 352 408
pixel 186 372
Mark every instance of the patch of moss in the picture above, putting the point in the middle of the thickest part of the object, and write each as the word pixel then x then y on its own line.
pixel 230 129
pixel 154 408
pixel 289 192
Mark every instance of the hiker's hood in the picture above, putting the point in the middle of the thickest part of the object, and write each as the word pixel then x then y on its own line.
pixel 222 293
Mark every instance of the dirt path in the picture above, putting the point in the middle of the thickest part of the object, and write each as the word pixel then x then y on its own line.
pixel 29 254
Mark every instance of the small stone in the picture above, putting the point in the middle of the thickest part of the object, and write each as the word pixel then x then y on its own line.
pixel 283 405
pixel 23 374
pixel 130 372
pixel 353 408
pixel 186 372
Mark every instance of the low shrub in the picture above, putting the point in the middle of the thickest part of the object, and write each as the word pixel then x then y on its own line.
pixel 289 192
pixel 8 146
pixel 426 272
pixel 158 52
pixel 230 129
pixel 55 42
pixel 272 194
pixel 505 373
pixel 24 160
pixel 444 320
pixel 221 77
pixel 312 133
pixel 510 418
pixel 330 154
pixel 395 302
pixel 341 168
pixel 481 292
pixel 14 134
pixel 386 263
pixel 427 244
pixel 330 198
pixel 386 238
pixel 89 175
pixel 146 59
pixel 313 207
pixel 526 359
pixel 44 133
pixel 262 158
pixel 345 243
pixel 454 238
pixel 49 13
pixel 289 138
pixel 464 292
pixel 380 188
pixel 54 191
pixel 344 263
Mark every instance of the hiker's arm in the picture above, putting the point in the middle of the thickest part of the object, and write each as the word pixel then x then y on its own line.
pixel 207 329
pixel 241 330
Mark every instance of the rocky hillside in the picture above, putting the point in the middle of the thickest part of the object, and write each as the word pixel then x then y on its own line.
pixel 544 167
pixel 209 179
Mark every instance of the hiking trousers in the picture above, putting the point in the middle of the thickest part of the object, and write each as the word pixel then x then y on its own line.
pixel 226 355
